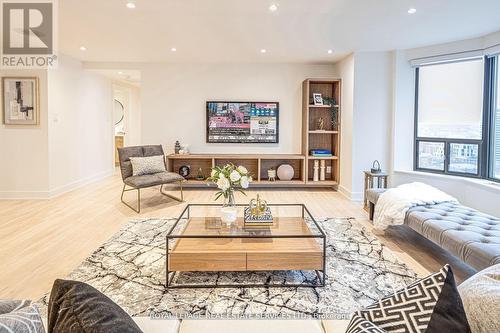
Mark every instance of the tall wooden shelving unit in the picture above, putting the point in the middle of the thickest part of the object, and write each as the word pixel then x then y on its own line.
pixel 329 136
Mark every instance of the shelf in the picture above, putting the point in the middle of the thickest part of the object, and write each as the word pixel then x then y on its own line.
pixel 323 132
pixel 322 157
pixel 280 182
pixel 322 106
pixel 322 183
pixel 236 156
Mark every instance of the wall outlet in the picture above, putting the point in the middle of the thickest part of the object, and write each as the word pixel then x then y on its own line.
pixel 328 169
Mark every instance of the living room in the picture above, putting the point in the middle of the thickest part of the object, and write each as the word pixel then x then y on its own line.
pixel 256 165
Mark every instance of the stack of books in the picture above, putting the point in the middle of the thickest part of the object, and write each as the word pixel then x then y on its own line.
pixel 321 153
pixel 265 218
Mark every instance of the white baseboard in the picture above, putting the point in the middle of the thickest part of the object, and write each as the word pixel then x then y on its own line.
pixel 353 196
pixel 26 195
pixel 79 183
pixel 23 195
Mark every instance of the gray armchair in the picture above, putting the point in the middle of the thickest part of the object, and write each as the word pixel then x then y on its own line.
pixel 144 181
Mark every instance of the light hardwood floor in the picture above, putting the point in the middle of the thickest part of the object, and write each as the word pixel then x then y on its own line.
pixel 41 240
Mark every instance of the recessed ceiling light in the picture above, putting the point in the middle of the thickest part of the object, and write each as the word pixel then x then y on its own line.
pixel 131 5
pixel 263 51
pixel 330 51
pixel 83 48
pixel 273 7
pixel 173 49
pixel 120 73
pixel 412 11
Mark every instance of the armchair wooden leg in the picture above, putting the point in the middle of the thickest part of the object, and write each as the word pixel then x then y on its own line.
pixel 138 210
pixel 181 199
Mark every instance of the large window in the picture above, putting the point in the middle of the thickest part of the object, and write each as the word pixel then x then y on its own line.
pixel 449 117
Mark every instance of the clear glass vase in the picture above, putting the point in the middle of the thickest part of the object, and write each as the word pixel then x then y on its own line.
pixel 229 212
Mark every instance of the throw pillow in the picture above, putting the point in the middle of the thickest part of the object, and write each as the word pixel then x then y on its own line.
pixel 7 305
pixel 430 305
pixel 481 296
pixel 22 320
pixel 359 324
pixel 77 307
pixel 147 165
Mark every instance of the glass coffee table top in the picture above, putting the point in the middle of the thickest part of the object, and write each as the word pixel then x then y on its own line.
pixel 289 220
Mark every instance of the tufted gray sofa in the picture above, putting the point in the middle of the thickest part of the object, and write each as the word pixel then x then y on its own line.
pixel 470 235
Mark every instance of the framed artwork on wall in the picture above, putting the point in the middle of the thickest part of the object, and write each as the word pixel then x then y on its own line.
pixel 20 101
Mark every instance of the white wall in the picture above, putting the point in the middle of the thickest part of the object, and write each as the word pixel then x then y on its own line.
pixel 345 70
pixel 174 95
pixel 80 126
pixel 24 149
pixel 366 117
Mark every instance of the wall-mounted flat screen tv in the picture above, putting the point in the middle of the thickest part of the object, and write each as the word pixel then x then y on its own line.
pixel 242 122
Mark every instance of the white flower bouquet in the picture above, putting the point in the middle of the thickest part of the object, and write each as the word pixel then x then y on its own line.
pixel 230 178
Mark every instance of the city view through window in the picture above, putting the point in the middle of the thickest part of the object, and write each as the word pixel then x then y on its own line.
pixel 450 106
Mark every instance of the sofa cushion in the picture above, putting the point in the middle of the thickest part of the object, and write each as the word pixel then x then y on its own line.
pixel 481 297
pixel 7 306
pixel 148 325
pixel 359 324
pixel 251 326
pixel 154 179
pixel 22 320
pixel 78 307
pixel 335 326
pixel 472 236
pixel 147 165
pixel 430 305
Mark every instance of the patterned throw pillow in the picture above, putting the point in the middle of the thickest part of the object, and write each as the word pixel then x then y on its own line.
pixel 25 319
pixel 361 325
pixel 147 165
pixel 7 305
pixel 430 305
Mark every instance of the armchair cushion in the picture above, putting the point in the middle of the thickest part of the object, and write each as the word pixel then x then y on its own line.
pixel 153 179
pixel 147 165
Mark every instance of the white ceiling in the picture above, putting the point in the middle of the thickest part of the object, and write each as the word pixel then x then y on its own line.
pixel 236 30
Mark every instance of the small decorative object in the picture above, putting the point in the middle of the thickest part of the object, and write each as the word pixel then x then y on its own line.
pixel 20 100
pixel 318 99
pixel 200 175
pixel 316 171
pixel 321 124
pixel 334 110
pixel 184 171
pixel 257 206
pixel 321 152
pixel 376 167
pixel 322 170
pixel 285 172
pixel 185 149
pixel 271 175
pixel 229 178
pixel 177 147
pixel 263 219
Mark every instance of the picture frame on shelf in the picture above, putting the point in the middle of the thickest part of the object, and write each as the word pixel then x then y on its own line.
pixel 20 101
pixel 317 99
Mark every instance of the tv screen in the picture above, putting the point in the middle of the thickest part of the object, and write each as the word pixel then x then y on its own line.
pixel 242 122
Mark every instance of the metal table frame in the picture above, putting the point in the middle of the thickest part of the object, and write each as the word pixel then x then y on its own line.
pixel 170 275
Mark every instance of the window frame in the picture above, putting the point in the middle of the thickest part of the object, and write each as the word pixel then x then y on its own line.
pixel 484 150
pixel 492 64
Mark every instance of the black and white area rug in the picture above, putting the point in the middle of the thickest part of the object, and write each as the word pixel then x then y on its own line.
pixel 130 269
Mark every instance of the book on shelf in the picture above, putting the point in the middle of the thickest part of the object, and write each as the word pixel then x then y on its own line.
pixel 264 218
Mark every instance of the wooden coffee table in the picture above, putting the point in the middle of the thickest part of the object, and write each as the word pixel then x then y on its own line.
pixel 200 242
